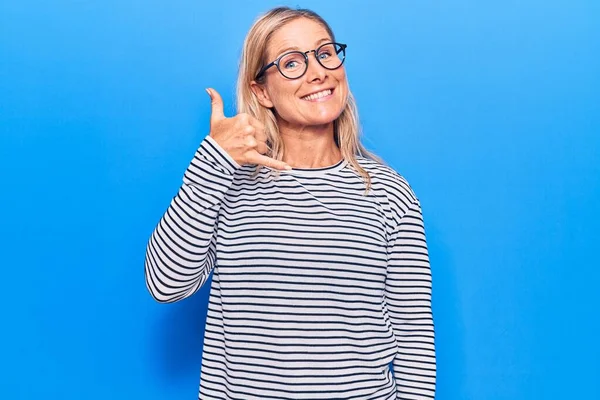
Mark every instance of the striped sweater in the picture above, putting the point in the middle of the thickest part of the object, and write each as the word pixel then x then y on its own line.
pixel 318 291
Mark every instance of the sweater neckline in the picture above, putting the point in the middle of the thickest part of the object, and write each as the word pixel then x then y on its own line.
pixel 317 171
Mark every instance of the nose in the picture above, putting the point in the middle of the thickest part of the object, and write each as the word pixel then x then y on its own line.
pixel 315 71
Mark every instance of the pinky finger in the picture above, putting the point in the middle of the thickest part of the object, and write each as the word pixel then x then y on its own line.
pixel 269 162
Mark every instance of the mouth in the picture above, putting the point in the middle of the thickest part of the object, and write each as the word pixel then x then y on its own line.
pixel 322 95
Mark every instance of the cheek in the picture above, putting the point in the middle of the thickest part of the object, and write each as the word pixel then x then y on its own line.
pixel 283 96
pixel 282 89
pixel 343 83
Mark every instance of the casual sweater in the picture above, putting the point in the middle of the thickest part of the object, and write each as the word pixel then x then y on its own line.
pixel 318 290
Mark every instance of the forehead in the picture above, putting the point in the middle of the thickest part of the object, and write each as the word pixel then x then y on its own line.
pixel 302 33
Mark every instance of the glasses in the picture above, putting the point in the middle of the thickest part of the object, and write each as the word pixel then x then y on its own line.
pixel 293 65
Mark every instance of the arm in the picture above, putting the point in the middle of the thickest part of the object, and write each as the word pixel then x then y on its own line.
pixel 181 251
pixel 408 299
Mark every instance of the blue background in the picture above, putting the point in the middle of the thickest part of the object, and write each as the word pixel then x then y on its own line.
pixel 490 109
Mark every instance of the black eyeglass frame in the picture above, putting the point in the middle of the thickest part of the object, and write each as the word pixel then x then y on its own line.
pixel 342 47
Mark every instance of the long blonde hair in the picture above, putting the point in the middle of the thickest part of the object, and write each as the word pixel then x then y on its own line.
pixel 253 58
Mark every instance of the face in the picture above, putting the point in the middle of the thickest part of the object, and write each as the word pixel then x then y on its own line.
pixel 291 97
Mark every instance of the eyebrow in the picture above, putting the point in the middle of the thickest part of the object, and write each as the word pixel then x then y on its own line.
pixel 290 48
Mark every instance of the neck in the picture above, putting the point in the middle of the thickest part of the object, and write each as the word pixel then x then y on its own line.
pixel 309 146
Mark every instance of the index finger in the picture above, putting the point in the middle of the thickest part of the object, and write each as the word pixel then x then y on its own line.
pixel 256 123
pixel 259 129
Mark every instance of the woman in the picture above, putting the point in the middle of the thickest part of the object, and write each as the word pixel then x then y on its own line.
pixel 321 283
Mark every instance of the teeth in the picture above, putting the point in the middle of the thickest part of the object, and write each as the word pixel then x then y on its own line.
pixel 318 95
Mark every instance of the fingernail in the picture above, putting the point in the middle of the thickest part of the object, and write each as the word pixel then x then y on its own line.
pixel 208 91
pixel 288 167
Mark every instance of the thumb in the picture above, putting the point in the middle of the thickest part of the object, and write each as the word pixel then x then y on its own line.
pixel 216 106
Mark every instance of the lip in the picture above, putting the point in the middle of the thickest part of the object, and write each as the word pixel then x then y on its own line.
pixel 321 98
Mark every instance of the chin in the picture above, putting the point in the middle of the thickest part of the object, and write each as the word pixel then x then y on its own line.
pixel 313 114
pixel 323 115
pixel 324 119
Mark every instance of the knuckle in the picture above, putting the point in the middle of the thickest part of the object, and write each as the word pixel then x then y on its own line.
pixel 251 142
pixel 263 149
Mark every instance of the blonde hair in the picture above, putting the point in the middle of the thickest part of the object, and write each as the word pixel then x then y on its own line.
pixel 253 58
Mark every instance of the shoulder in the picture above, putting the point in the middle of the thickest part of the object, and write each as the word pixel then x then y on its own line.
pixel 388 182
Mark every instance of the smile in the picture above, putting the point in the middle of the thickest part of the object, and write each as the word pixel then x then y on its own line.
pixel 319 96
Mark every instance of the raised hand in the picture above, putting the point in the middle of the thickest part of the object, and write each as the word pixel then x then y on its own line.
pixel 243 137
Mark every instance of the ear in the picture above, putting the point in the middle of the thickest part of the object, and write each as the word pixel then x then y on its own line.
pixel 260 91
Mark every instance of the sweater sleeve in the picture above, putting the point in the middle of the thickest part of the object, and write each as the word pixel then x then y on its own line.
pixel 180 253
pixel 408 299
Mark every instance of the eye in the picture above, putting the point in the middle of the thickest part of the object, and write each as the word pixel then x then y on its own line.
pixel 291 64
pixel 292 61
pixel 324 55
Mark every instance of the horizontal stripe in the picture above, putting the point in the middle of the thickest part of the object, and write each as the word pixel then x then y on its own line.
pixel 318 291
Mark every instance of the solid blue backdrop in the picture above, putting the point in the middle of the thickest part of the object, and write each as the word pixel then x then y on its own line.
pixel 491 110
